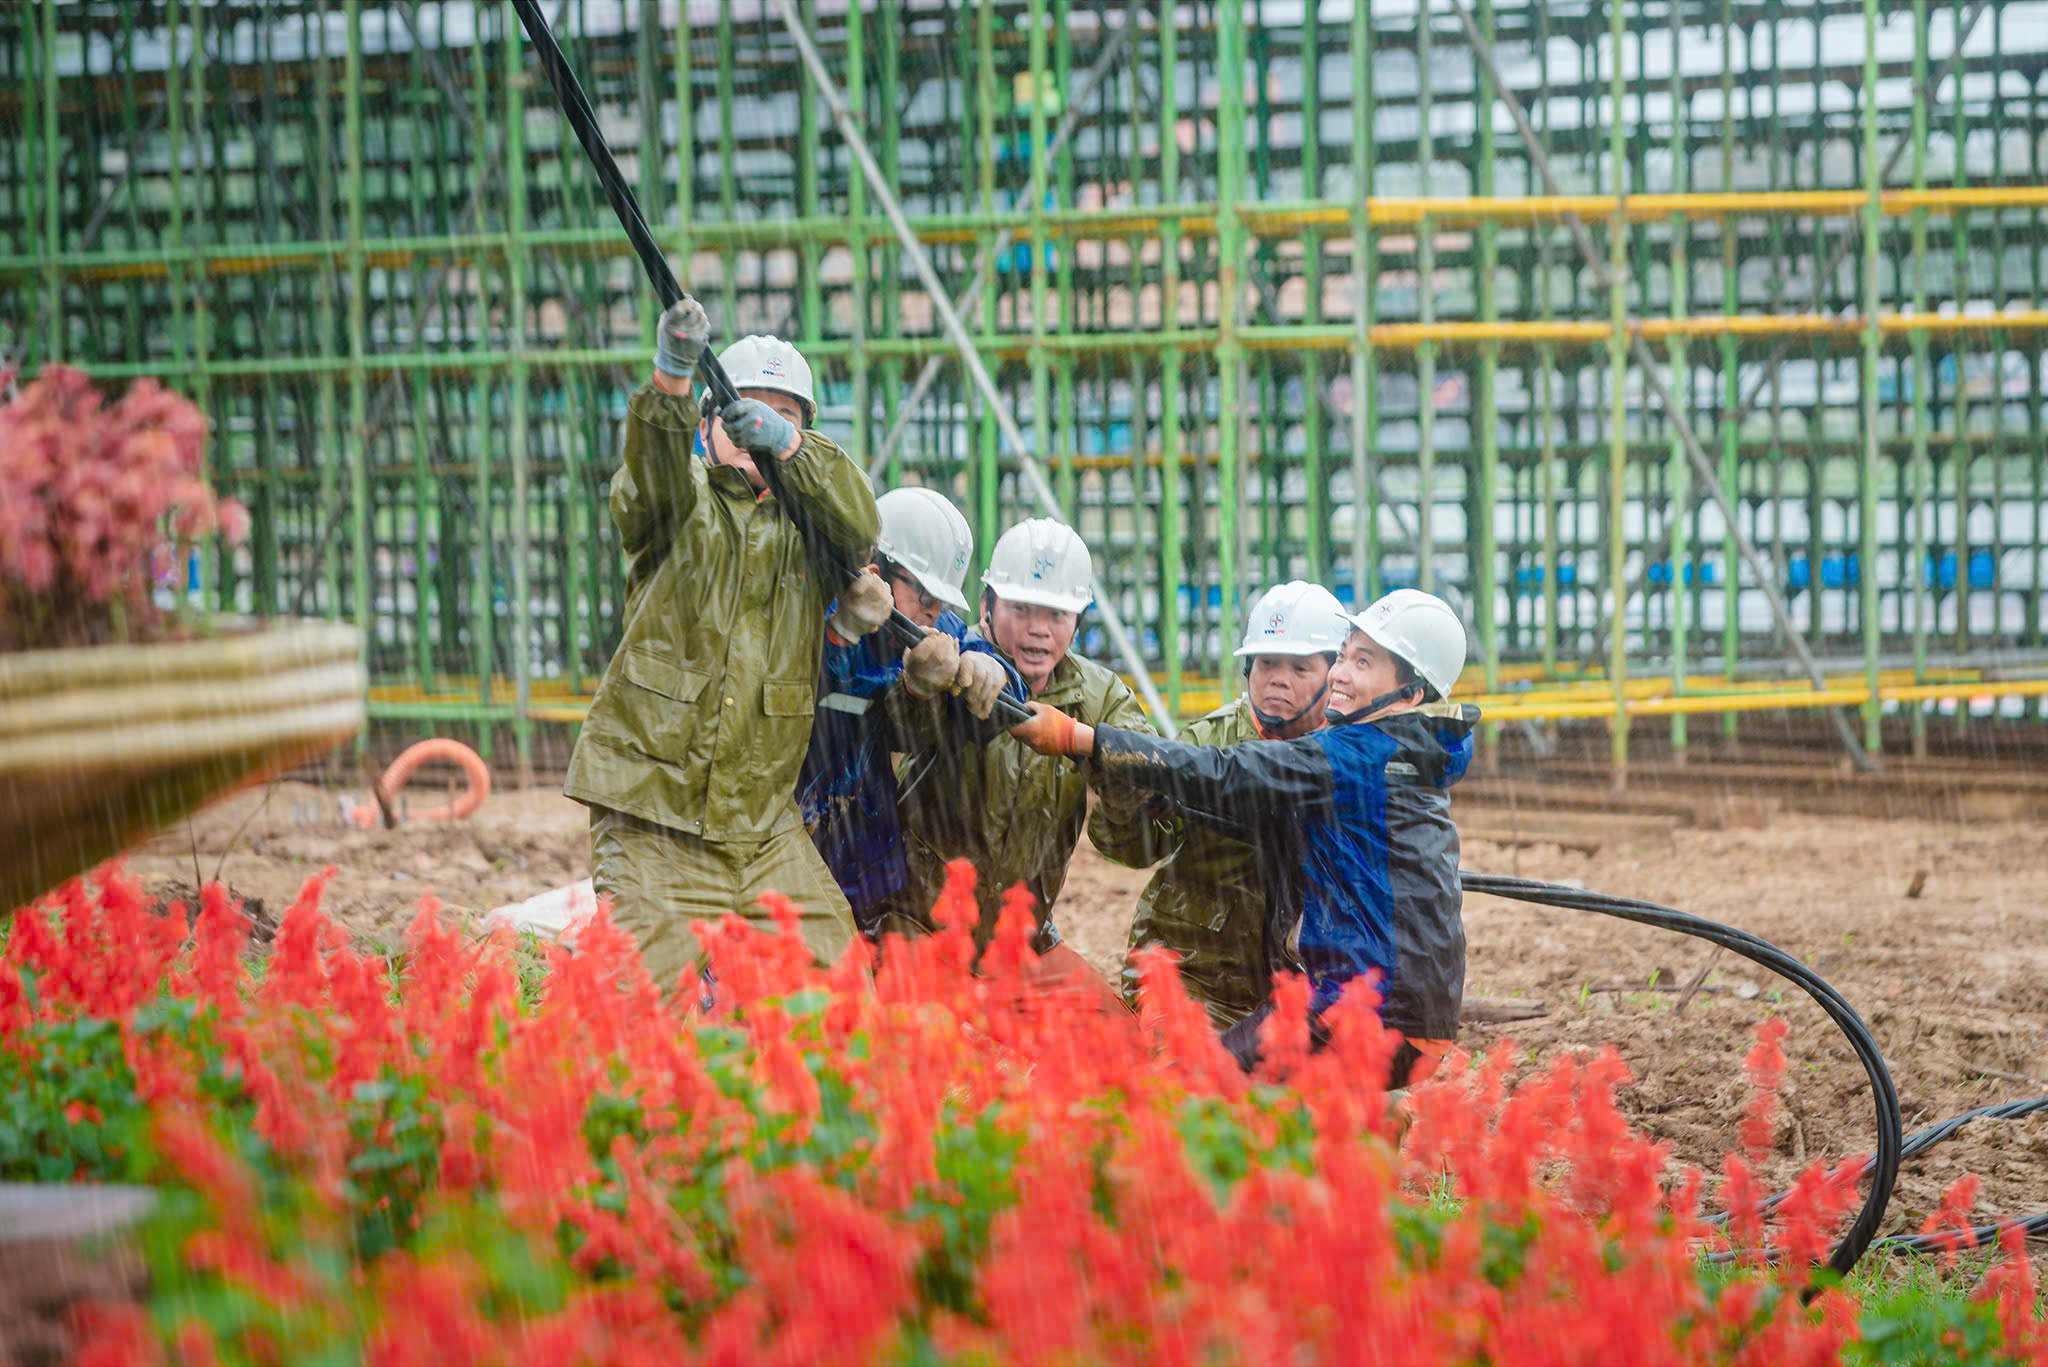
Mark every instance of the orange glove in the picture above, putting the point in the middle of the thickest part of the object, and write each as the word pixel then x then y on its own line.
pixel 1052 732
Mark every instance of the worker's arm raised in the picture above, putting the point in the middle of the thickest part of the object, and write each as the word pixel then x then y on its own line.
pixel 656 488
pixel 833 493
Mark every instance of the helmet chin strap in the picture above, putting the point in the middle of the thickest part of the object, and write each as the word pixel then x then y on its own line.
pixel 1387 699
pixel 1272 724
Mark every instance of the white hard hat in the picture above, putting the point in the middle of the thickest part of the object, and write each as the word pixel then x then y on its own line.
pixel 761 362
pixel 1295 618
pixel 924 533
pixel 1042 562
pixel 1421 629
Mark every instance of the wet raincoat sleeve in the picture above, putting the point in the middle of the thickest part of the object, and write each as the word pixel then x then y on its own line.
pixel 658 487
pixel 1246 790
pixel 1121 811
pixel 1140 834
pixel 1136 832
pixel 834 493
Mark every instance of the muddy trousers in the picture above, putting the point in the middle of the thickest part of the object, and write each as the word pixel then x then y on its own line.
pixel 660 880
pixel 1221 964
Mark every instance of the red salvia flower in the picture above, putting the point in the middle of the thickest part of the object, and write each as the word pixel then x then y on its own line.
pixel 904 1153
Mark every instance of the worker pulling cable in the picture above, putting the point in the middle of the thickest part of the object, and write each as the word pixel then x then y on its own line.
pixel 720 390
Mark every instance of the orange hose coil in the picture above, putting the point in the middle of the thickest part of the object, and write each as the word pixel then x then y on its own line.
pixel 474 770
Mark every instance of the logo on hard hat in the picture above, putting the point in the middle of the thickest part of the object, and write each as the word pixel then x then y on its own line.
pixel 1276 623
pixel 1041 566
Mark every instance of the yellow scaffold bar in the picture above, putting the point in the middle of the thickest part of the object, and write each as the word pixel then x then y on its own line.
pixel 1192 220
pixel 1388 212
pixel 1526 332
pixel 558 703
pixel 1786 699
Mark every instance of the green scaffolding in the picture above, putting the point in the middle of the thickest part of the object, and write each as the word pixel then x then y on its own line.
pixel 361 237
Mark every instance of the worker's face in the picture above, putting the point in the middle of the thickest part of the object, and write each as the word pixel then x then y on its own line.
pixel 912 601
pixel 726 453
pixel 1364 671
pixel 1282 685
pixel 1037 638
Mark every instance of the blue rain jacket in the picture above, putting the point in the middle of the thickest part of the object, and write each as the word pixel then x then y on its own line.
pixel 1357 852
pixel 847 789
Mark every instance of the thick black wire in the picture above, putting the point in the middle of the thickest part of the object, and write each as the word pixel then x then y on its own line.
pixel 1984 1236
pixel 576 108
pixel 1884 1166
pixel 1920 1141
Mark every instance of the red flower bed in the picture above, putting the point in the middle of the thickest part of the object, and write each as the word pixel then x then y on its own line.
pixel 461 1156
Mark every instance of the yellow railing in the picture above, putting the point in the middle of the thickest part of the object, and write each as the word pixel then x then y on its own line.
pixel 557 702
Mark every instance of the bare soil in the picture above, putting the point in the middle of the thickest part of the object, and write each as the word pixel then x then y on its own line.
pixel 266 842
pixel 1953 981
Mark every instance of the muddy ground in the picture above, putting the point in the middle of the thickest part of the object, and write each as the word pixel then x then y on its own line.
pixel 1953 980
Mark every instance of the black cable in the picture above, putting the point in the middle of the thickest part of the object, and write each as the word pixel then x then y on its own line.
pixel 576 109
pixel 1920 1141
pixel 1884 1167
pixel 2032 1226
pixel 1859 1240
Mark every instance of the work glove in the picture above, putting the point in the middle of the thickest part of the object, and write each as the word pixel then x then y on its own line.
pixel 761 432
pixel 680 338
pixel 1050 731
pixel 931 664
pixel 863 605
pixel 979 681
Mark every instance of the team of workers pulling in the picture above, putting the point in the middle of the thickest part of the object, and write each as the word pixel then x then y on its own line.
pixel 755 730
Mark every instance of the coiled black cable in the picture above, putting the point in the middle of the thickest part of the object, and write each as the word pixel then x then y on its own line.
pixel 1890 1150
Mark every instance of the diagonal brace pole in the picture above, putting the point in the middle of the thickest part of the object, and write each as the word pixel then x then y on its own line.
pixel 1034 474
pixel 1659 389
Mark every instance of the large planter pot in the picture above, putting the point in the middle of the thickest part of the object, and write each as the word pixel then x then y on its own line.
pixel 104 745
pixel 62 1246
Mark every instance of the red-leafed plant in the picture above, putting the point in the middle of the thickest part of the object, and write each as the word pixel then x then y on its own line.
pixel 97 504
pixel 462 1156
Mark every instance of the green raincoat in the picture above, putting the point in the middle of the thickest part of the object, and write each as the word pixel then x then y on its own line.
pixel 704 714
pixel 1205 902
pixel 1016 814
